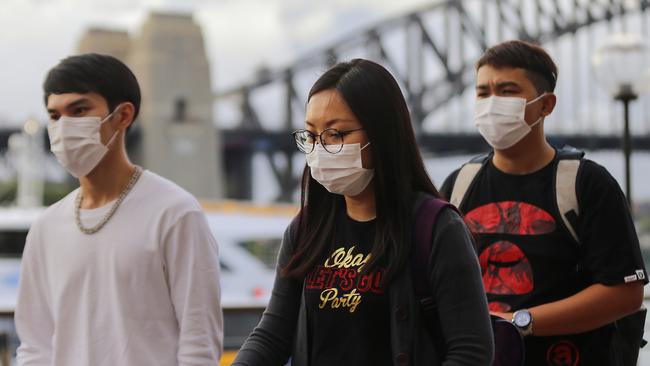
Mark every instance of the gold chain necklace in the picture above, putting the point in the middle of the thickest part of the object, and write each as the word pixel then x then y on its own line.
pixel 125 191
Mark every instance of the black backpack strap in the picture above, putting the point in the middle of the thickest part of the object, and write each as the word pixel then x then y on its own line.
pixel 627 339
pixel 425 220
pixel 481 159
pixel 427 211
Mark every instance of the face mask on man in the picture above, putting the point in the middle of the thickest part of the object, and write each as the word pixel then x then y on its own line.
pixel 76 142
pixel 500 120
pixel 340 173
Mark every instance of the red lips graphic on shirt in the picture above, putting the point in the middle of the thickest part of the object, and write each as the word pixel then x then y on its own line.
pixel 506 269
pixel 510 217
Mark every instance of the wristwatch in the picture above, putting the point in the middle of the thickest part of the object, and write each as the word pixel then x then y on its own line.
pixel 523 320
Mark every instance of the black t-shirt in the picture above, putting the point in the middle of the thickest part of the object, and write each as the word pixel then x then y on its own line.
pixel 528 258
pixel 347 311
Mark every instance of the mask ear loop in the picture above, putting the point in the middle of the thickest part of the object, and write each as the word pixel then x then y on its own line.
pixel 110 114
pixel 536 122
pixel 112 138
pixel 538 98
pixel 116 131
pixel 533 101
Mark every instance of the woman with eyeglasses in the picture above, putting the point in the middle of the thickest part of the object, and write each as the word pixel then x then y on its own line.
pixel 345 292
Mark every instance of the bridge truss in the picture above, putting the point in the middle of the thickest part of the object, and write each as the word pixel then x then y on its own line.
pixel 431 52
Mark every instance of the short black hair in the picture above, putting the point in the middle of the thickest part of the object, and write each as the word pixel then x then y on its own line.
pixel 94 73
pixel 539 66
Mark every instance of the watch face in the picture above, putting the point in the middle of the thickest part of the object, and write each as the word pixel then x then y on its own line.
pixel 522 319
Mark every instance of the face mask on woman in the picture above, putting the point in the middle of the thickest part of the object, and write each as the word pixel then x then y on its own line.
pixel 340 173
pixel 76 143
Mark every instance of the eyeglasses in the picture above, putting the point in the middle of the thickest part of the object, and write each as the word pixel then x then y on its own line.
pixel 331 139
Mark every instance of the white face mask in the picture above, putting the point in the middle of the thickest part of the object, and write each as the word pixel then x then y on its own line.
pixel 500 120
pixel 76 143
pixel 340 173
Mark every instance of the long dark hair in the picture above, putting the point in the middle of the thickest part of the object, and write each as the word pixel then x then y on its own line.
pixel 375 98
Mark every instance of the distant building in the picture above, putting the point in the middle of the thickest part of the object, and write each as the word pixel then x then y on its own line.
pixel 116 43
pixel 178 136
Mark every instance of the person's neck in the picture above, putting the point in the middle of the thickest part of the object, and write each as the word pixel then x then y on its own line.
pixel 362 206
pixel 106 182
pixel 529 155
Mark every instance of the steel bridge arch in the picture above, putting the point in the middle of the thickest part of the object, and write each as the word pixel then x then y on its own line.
pixel 454 81
pixel 449 34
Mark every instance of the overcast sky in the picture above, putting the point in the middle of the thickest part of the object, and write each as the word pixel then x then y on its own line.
pixel 239 35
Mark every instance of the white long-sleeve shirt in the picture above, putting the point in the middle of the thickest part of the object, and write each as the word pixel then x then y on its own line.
pixel 144 290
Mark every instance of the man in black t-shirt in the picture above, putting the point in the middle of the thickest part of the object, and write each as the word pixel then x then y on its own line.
pixel 562 293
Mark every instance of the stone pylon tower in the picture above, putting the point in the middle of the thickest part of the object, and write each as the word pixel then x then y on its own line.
pixel 178 137
pixel 105 41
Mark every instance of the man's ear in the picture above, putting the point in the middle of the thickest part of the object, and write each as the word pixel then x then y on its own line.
pixel 125 114
pixel 548 104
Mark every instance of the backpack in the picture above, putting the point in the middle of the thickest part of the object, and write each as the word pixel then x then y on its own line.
pixel 508 343
pixel 627 338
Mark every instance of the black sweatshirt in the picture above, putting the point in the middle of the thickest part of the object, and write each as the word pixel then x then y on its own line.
pixel 455 278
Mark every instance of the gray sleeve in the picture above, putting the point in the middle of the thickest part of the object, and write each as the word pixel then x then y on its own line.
pixel 458 287
pixel 271 341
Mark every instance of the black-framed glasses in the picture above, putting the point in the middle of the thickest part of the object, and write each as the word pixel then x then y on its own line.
pixel 331 139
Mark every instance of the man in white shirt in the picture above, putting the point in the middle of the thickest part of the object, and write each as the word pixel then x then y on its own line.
pixel 123 270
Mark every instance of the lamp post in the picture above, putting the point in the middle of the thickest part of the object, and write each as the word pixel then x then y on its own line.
pixel 622 66
pixel 28 149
